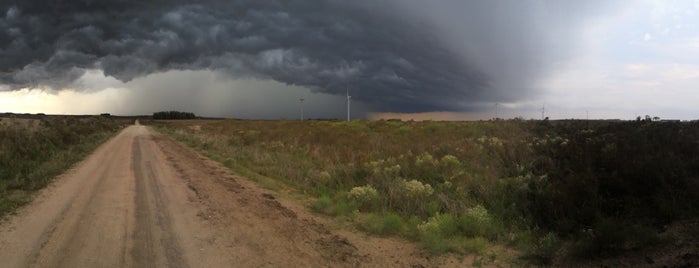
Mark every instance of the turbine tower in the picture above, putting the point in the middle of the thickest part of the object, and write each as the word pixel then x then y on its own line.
pixel 348 105
pixel 543 111
pixel 301 102
pixel 496 110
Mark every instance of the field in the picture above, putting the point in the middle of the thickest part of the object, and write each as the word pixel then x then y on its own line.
pixel 36 148
pixel 567 190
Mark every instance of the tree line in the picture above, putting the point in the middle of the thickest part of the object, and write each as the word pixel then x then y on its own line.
pixel 173 115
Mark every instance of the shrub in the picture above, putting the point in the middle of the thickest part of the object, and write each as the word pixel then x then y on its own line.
pixel 372 224
pixel 443 224
pixel 415 189
pixel 392 224
pixel 543 250
pixel 228 162
pixel 411 228
pixel 434 241
pixel 477 221
pixel 473 245
pixel 366 197
pixel 411 196
pixel 387 224
pixel 323 205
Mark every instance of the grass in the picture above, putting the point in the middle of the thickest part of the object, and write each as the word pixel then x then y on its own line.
pixel 33 154
pixel 539 186
pixel 387 224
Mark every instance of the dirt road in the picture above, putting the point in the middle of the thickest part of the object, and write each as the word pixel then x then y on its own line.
pixel 141 200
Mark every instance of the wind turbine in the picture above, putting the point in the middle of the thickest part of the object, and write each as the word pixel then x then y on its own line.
pixel 496 110
pixel 543 110
pixel 348 105
pixel 301 102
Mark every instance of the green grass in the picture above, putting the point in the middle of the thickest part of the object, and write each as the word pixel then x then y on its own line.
pixel 536 185
pixel 387 224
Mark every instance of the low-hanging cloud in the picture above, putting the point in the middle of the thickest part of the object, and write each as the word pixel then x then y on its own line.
pixel 401 55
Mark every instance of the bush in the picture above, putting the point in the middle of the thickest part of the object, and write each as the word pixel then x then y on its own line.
pixel 543 250
pixel 388 224
pixel 434 241
pixel 442 224
pixel 323 205
pixel 477 221
pixel 367 197
pixel 473 245
pixel 392 224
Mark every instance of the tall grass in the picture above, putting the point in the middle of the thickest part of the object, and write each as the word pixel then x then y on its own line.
pixel 30 156
pixel 456 185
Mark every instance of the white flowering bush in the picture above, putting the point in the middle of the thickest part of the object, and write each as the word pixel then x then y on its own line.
pixel 366 196
pixel 416 189
pixel 477 221
pixel 383 167
pixel 450 167
pixel 450 161
pixel 492 141
pixel 425 159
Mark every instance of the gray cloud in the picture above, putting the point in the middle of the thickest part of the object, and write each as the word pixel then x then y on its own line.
pixel 398 55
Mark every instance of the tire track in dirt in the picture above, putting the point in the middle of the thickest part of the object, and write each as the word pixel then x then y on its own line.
pixel 152 219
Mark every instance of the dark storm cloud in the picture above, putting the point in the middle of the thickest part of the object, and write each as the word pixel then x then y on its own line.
pixel 387 53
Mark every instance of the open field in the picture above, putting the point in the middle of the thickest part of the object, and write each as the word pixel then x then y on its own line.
pixel 502 193
pixel 144 200
pixel 36 148
pixel 557 192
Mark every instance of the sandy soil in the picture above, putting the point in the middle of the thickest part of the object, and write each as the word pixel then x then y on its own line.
pixel 142 200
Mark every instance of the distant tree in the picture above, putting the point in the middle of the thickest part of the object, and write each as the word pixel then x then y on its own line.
pixel 170 115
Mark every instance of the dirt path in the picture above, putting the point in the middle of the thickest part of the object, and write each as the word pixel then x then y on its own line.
pixel 141 200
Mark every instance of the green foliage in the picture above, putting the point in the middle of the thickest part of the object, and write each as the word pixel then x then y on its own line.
pixel 442 224
pixel 477 221
pixel 323 205
pixel 339 206
pixel 228 162
pixel 472 245
pixel 543 250
pixel 442 233
pixel 386 224
pixel 434 241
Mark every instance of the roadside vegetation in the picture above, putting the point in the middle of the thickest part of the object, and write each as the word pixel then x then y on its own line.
pixel 568 189
pixel 35 149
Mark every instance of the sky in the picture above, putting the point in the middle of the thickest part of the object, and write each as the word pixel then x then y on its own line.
pixel 439 60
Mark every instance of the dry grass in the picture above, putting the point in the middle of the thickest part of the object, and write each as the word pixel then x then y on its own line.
pixel 534 184
pixel 34 150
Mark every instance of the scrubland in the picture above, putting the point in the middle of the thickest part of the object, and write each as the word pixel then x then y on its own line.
pixel 36 148
pixel 549 190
